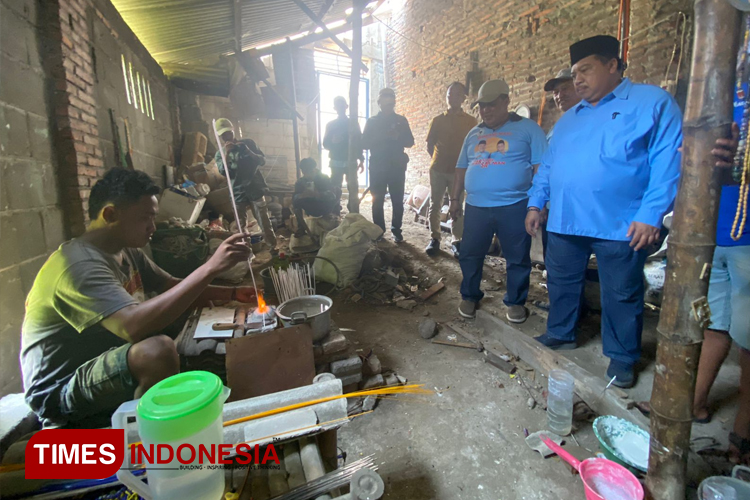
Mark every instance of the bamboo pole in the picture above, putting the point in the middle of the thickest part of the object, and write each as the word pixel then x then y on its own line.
pixel 354 148
pixel 691 246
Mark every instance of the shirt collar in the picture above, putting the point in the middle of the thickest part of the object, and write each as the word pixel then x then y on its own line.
pixel 622 91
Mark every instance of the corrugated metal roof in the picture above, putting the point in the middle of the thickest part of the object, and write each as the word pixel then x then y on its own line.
pixel 188 31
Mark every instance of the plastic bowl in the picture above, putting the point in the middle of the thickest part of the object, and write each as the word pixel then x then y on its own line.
pixel 623 442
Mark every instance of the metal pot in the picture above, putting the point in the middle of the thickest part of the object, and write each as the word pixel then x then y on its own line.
pixel 314 310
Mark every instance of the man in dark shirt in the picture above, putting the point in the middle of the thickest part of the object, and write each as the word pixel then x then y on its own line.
pixel 91 337
pixel 386 135
pixel 336 141
pixel 248 185
pixel 313 192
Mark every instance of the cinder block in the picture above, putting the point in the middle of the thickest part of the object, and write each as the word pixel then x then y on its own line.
pixel 14 133
pixel 9 248
pixel 21 237
pixel 347 367
pixel 25 8
pixel 39 136
pixel 25 184
pixel 372 382
pixel 29 270
pixel 353 379
pixel 334 342
pixel 11 301
pixel 13 33
pixel 22 86
pixel 54 230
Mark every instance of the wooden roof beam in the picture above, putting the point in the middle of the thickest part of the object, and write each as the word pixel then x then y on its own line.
pixel 317 20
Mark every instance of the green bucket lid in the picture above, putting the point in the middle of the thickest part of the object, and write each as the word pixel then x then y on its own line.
pixel 180 406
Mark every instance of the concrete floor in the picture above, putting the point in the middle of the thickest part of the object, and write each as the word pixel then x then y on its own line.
pixel 467 441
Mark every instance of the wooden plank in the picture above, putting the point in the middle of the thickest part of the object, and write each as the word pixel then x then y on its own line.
pixel 588 386
pixel 455 344
pixel 430 292
pixel 498 362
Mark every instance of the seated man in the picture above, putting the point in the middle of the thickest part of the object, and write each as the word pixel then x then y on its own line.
pixel 91 339
pixel 313 192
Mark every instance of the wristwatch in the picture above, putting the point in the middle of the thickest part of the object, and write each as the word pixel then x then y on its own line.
pixel 533 209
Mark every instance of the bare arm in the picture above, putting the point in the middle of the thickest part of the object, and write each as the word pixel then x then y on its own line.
pixel 214 293
pixel 430 148
pixel 458 187
pixel 137 322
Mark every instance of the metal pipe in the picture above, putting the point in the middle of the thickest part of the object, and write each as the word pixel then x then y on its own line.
pixel 684 311
pixel 354 134
pixel 295 125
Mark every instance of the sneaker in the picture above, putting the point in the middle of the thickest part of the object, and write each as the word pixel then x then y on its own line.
pixel 517 314
pixel 555 344
pixel 467 309
pixel 623 373
pixel 398 237
pixel 433 247
pixel 456 248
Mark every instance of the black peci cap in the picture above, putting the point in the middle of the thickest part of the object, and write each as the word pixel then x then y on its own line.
pixel 599 45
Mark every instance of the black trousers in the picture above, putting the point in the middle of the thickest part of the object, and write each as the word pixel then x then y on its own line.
pixel 391 181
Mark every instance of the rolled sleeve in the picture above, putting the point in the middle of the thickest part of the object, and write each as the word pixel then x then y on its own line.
pixel 664 163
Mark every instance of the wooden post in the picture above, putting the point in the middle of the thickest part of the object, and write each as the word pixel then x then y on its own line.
pixel 691 246
pixel 354 134
pixel 295 124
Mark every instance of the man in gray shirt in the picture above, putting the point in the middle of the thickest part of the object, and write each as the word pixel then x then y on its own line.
pixel 91 339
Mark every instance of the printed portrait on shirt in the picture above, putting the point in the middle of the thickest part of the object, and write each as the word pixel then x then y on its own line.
pixel 500 149
pixel 481 150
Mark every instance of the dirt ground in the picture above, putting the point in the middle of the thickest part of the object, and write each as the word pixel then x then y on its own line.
pixel 467 440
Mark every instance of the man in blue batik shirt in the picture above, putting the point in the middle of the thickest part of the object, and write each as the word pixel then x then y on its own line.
pixel 497 186
pixel 610 175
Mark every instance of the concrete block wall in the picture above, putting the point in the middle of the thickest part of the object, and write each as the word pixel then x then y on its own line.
pixel 151 138
pixel 31 219
pixel 523 41
pixel 61 72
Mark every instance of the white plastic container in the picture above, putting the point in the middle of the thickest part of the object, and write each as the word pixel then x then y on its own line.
pixel 185 409
pixel 560 402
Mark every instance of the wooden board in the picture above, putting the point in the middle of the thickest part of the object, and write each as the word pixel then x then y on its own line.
pixel 588 386
pixel 209 316
pixel 269 362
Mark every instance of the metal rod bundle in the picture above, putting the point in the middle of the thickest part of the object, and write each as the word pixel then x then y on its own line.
pixel 331 481
pixel 296 281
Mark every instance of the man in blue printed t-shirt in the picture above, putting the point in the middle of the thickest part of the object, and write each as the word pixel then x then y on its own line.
pixel 496 164
pixel 610 175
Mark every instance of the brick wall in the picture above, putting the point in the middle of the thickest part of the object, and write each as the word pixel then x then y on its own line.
pixel 523 41
pixel 61 72
pixel 31 221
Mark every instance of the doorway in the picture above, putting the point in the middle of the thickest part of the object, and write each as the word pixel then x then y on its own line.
pixel 332 85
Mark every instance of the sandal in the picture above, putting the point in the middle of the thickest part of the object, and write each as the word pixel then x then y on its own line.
pixel 742 446
pixel 645 408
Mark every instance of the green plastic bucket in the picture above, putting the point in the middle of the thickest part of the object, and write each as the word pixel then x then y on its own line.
pixel 623 442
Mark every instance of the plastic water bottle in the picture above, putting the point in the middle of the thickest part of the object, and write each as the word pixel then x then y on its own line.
pixel 719 492
pixel 560 402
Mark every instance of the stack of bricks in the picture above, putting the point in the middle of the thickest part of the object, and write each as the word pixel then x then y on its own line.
pixel 80 157
pixel 523 41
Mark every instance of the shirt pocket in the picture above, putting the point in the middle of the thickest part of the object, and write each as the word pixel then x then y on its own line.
pixel 624 135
